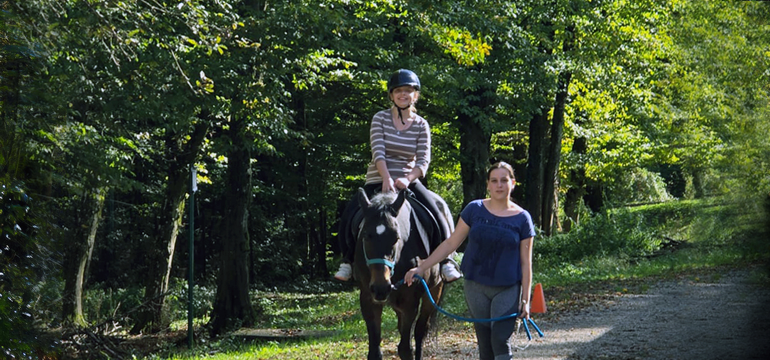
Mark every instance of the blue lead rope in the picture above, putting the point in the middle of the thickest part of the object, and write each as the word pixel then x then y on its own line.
pixel 457 317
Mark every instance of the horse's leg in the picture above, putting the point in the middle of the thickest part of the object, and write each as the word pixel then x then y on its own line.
pixel 406 311
pixel 372 314
pixel 427 311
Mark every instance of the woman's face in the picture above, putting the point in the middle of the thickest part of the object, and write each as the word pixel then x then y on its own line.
pixel 404 96
pixel 500 184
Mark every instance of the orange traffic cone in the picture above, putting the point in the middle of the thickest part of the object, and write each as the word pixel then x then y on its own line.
pixel 538 301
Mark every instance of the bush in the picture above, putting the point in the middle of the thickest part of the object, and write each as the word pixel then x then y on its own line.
pixel 618 233
pixel 637 185
pixel 112 305
pixel 203 300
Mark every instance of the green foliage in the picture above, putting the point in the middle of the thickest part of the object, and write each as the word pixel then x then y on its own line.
pixel 203 300
pixel 17 232
pixel 616 233
pixel 627 233
pixel 112 307
pixel 444 174
pixel 653 93
pixel 636 185
pixel 656 240
pixel 47 303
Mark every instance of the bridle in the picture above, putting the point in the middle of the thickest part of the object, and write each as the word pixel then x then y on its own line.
pixel 374 261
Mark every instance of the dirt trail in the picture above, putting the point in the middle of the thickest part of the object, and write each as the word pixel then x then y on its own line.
pixel 724 316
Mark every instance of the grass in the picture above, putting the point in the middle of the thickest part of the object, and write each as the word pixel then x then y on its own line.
pixel 334 308
pixel 708 236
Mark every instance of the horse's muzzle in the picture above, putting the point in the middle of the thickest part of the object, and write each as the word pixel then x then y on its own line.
pixel 381 291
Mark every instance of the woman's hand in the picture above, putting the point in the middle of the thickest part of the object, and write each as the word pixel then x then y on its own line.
pixel 409 277
pixel 402 183
pixel 523 309
pixel 387 185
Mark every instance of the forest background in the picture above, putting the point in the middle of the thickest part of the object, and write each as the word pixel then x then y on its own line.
pixel 107 106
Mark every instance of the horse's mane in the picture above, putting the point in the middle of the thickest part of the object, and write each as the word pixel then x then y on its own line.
pixel 381 201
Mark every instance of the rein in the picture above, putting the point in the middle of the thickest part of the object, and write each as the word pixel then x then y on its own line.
pixel 457 317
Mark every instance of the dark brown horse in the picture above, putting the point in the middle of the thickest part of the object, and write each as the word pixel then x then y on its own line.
pixel 388 244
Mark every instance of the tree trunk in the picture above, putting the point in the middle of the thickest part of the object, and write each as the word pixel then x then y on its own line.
pixel 160 252
pixel 698 185
pixel 10 143
pixel 594 196
pixel 551 172
pixel 99 198
pixel 475 140
pixel 305 223
pixel 474 158
pixel 535 170
pixel 232 306
pixel 78 256
pixel 578 181
pixel 320 244
pixel 767 219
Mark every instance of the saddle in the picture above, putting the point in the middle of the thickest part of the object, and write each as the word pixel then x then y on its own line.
pixel 426 224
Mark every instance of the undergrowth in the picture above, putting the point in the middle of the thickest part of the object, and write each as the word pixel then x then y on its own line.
pixel 654 240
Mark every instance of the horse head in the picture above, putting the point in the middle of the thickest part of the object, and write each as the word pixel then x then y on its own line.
pixel 383 231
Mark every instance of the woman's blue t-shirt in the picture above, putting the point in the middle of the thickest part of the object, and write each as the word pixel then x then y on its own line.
pixel 492 254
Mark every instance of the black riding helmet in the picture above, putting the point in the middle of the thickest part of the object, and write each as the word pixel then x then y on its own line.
pixel 403 77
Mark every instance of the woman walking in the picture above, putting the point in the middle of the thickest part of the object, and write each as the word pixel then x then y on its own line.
pixel 497 264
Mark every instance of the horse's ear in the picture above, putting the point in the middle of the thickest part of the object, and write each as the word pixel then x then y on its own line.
pixel 363 200
pixel 396 206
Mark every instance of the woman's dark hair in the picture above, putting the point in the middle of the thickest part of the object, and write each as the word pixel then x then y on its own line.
pixel 501 165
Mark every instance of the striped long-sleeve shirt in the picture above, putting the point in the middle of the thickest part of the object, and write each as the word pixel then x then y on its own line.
pixel 402 150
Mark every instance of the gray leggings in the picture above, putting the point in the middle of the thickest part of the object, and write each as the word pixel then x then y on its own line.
pixel 486 302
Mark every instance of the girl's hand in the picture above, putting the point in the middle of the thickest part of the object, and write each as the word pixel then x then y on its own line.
pixel 409 277
pixel 402 183
pixel 387 185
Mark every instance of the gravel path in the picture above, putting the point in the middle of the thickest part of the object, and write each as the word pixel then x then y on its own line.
pixel 716 316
